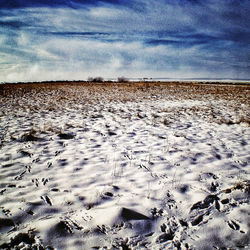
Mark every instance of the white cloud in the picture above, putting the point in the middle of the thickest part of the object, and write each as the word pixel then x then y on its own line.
pixel 104 12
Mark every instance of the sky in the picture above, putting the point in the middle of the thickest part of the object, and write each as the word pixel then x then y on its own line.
pixel 75 39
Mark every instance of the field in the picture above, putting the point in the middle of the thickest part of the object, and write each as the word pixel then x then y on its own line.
pixel 143 165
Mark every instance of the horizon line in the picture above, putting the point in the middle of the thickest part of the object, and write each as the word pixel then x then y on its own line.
pixel 145 79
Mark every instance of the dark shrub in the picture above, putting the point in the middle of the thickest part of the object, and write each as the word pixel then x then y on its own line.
pixel 96 79
pixel 122 79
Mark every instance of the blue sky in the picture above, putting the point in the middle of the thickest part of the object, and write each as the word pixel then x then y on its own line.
pixel 72 40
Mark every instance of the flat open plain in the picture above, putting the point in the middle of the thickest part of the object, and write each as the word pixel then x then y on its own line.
pixel 124 165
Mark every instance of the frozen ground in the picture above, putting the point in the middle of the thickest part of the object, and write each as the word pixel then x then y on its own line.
pixel 132 166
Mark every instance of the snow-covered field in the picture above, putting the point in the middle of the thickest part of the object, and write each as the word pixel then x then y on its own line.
pixel 124 166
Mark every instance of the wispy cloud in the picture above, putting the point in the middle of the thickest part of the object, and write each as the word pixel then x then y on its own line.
pixel 77 39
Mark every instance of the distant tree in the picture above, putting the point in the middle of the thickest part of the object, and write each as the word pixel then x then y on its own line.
pixel 96 79
pixel 122 79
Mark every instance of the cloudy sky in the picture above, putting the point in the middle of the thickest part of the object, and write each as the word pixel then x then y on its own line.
pixel 75 39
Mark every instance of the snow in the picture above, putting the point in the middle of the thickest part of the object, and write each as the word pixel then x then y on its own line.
pixel 85 166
